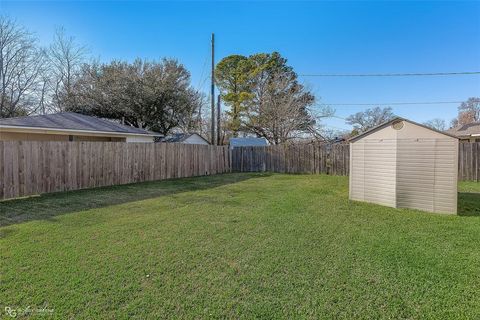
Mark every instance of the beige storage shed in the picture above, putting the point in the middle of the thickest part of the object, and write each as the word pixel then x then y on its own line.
pixel 403 164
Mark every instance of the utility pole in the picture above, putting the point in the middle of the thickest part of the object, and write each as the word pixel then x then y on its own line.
pixel 212 93
pixel 218 121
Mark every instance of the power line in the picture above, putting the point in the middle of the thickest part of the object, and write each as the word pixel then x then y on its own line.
pixel 337 117
pixel 390 103
pixel 393 74
pixel 203 76
pixel 333 127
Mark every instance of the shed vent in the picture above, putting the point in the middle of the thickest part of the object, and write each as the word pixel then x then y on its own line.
pixel 397 125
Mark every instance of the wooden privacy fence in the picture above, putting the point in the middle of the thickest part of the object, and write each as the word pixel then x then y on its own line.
pixel 468 162
pixel 333 159
pixel 34 167
pixel 328 159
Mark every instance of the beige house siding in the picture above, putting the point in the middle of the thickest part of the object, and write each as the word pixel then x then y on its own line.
pixel 413 167
pixel 16 136
pixel 140 139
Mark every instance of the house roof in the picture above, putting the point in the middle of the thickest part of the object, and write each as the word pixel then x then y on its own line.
pixel 466 130
pixel 248 142
pixel 180 137
pixel 386 124
pixel 71 121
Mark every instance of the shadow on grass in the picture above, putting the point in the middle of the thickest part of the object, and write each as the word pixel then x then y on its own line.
pixel 469 204
pixel 49 205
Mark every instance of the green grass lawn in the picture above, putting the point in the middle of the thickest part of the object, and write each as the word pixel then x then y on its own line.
pixel 238 246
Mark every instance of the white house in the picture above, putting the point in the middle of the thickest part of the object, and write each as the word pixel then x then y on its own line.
pixel 187 138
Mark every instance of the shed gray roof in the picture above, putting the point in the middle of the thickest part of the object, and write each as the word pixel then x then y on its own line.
pixel 180 137
pixel 71 121
pixel 386 124
pixel 248 142
pixel 466 130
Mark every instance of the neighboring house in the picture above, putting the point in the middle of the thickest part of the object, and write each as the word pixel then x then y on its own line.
pixel 247 142
pixel 187 138
pixel 69 126
pixel 467 133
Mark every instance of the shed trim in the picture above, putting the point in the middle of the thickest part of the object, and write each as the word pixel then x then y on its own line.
pixel 386 124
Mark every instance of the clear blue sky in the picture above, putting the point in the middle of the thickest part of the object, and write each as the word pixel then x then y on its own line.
pixel 326 37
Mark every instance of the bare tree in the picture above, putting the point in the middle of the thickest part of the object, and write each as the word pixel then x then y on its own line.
pixel 65 61
pixel 281 112
pixel 329 135
pixel 317 129
pixel 364 120
pixel 22 64
pixel 471 106
pixel 454 123
pixel 468 112
pixel 192 119
pixel 438 124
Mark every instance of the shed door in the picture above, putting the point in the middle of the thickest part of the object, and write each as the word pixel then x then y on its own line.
pixel 373 171
pixel 416 173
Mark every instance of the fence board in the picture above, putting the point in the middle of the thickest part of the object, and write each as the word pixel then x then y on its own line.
pixel 468 162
